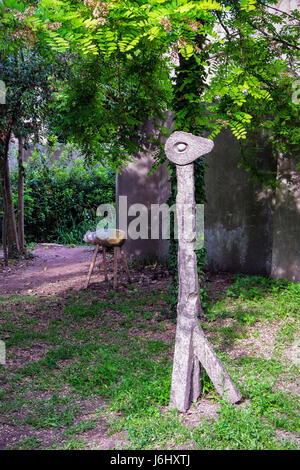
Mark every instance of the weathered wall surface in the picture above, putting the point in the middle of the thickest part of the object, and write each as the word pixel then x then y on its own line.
pixel 286 239
pixel 140 187
pixel 238 215
pixel 248 229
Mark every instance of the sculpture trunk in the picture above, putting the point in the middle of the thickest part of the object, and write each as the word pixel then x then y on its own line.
pixel 191 345
pixel 188 298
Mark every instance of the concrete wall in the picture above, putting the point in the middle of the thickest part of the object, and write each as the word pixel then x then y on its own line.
pixel 238 214
pixel 248 229
pixel 286 239
pixel 139 186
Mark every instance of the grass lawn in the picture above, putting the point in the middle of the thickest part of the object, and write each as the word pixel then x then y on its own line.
pixel 91 369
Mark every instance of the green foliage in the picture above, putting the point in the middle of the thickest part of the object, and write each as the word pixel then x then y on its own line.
pixel 237 429
pixel 75 444
pixel 104 102
pixel 255 287
pixel 287 332
pixel 53 412
pixel 29 79
pixel 146 432
pixel 61 201
pixel 253 298
pixel 26 444
pixel 80 427
pixel 118 362
pixel 248 49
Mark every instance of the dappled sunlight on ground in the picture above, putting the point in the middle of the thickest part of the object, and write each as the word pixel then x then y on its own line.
pixel 91 368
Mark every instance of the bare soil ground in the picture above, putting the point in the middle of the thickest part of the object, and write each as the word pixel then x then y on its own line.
pixel 53 269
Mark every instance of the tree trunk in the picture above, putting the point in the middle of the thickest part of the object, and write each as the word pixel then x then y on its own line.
pixel 21 194
pixel 4 236
pixel 9 215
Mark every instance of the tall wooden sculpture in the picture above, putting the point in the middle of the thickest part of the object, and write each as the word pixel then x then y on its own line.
pixel 191 346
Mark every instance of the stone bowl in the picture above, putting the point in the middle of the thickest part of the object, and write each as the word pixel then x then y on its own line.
pixel 109 238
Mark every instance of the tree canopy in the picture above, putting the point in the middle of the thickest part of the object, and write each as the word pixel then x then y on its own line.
pixel 233 63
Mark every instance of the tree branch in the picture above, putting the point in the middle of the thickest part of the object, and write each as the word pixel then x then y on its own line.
pixel 223 26
pixel 276 38
pixel 283 12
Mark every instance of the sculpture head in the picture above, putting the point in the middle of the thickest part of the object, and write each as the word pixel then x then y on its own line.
pixel 183 148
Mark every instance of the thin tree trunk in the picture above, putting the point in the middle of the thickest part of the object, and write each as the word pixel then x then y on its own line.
pixel 21 194
pixel 4 237
pixel 9 215
pixel 12 236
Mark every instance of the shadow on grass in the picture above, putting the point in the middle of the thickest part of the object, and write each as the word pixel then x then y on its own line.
pixel 100 344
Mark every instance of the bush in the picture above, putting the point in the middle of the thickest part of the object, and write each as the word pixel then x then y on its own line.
pixel 61 201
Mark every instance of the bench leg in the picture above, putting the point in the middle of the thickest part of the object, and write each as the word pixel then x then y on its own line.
pixel 104 262
pixel 125 264
pixel 92 266
pixel 115 266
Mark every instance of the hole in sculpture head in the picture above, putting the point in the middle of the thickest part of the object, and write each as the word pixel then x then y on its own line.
pixel 180 146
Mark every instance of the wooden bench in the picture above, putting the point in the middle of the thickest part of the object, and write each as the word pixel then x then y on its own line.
pixel 110 238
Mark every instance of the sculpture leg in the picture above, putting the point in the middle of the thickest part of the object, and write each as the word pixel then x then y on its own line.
pixel 182 365
pixel 196 387
pixel 186 372
pixel 214 367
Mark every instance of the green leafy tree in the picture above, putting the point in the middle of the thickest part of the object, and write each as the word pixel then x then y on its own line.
pixel 232 64
pixel 28 78
pixel 103 102
pixel 243 53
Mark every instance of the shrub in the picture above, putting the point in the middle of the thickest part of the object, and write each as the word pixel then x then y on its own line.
pixel 61 201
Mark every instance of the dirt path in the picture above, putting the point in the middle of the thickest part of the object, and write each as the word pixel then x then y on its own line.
pixel 54 268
